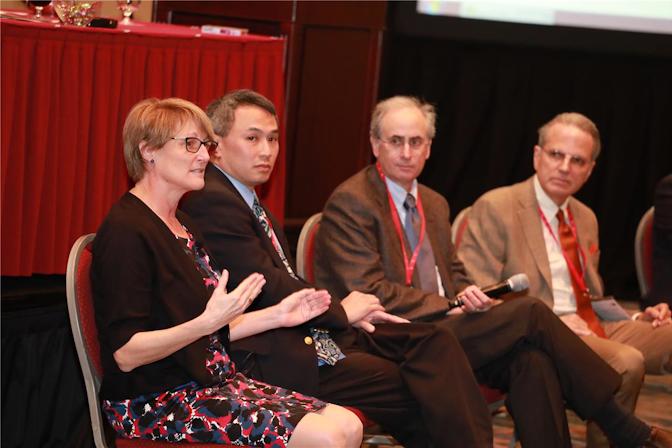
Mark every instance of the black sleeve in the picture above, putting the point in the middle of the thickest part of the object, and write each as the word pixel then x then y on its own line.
pixel 121 276
pixel 142 283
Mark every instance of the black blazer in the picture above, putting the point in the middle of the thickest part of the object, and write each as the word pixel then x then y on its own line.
pixel 239 244
pixel 143 280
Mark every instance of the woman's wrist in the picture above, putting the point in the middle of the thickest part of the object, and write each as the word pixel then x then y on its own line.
pixel 205 323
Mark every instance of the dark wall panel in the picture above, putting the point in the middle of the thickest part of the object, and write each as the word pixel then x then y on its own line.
pixel 492 97
pixel 332 118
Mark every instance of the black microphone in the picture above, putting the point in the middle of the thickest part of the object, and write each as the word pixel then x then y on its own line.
pixel 515 283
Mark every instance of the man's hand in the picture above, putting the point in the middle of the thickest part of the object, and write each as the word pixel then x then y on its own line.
pixel 378 317
pixel 658 315
pixel 576 324
pixel 358 305
pixel 364 310
pixel 302 306
pixel 474 300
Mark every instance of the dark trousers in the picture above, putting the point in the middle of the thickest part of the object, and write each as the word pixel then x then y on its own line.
pixel 522 348
pixel 415 381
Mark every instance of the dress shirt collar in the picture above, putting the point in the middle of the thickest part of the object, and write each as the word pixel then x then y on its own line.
pixel 246 192
pixel 399 193
pixel 547 205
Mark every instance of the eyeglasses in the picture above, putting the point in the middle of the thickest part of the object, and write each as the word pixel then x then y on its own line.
pixel 398 143
pixel 193 144
pixel 558 156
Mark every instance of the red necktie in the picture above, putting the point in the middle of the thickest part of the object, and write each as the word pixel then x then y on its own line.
pixel 570 247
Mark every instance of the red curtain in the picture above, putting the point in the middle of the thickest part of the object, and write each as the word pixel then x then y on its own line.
pixel 65 95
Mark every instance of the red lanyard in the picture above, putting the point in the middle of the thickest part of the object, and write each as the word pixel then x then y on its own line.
pixel 409 265
pixel 574 272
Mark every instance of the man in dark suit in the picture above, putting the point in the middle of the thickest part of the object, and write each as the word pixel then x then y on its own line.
pixel 385 234
pixel 412 379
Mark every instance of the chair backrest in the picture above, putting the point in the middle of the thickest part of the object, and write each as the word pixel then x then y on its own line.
pixel 85 334
pixel 305 249
pixel 459 226
pixel 84 331
pixel 644 252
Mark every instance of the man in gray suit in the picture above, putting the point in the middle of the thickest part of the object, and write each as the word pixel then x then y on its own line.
pixel 539 228
pixel 385 234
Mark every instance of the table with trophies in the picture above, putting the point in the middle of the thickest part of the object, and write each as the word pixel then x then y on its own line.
pixel 66 90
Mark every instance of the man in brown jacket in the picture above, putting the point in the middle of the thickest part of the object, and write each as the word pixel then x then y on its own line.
pixel 518 229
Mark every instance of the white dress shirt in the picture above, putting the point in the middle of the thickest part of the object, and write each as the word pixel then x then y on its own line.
pixel 564 301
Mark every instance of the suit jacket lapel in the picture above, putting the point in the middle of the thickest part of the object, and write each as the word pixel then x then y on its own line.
pixel 435 228
pixel 583 230
pixel 528 215
pixel 259 230
pixel 387 227
pixel 581 226
pixel 282 239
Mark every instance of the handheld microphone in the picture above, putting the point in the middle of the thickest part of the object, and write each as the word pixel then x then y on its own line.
pixel 515 283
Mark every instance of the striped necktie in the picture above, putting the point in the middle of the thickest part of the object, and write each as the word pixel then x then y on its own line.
pixel 327 350
pixel 268 228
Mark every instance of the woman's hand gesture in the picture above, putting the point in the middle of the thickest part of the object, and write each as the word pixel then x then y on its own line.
pixel 225 306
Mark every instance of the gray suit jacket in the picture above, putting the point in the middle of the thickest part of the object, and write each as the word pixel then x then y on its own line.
pixel 504 236
pixel 357 248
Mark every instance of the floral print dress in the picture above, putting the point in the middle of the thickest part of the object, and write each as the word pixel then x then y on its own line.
pixel 235 410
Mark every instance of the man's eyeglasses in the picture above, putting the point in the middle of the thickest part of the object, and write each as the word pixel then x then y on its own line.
pixel 559 156
pixel 193 144
pixel 398 143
